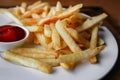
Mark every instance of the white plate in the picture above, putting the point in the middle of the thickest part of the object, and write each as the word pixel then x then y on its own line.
pixel 85 71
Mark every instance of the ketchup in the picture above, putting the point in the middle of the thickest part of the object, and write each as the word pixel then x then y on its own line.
pixel 9 33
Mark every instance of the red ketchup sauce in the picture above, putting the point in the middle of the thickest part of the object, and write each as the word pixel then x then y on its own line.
pixel 10 33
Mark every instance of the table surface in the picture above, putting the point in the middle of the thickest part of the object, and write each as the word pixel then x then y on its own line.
pixel 111 7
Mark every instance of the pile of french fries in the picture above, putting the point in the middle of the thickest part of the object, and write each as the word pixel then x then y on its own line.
pixel 67 36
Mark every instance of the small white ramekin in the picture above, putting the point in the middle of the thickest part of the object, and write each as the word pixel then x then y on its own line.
pixel 8 45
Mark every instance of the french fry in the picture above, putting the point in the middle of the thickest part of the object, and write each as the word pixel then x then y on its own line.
pixel 70 11
pixel 69 66
pixel 59 8
pixel 80 56
pixel 56 39
pixel 34 54
pixel 32 51
pixel 24 5
pixel 66 37
pixel 28 62
pixel 94 36
pixel 93 42
pixel 90 22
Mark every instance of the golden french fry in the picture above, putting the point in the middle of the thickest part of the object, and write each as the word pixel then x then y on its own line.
pixel 59 8
pixel 70 11
pixel 66 37
pixel 80 56
pixel 28 62
pixel 32 51
pixel 56 39
pixel 94 36
pixel 37 55
pixel 93 42
pixel 24 5
pixel 90 22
